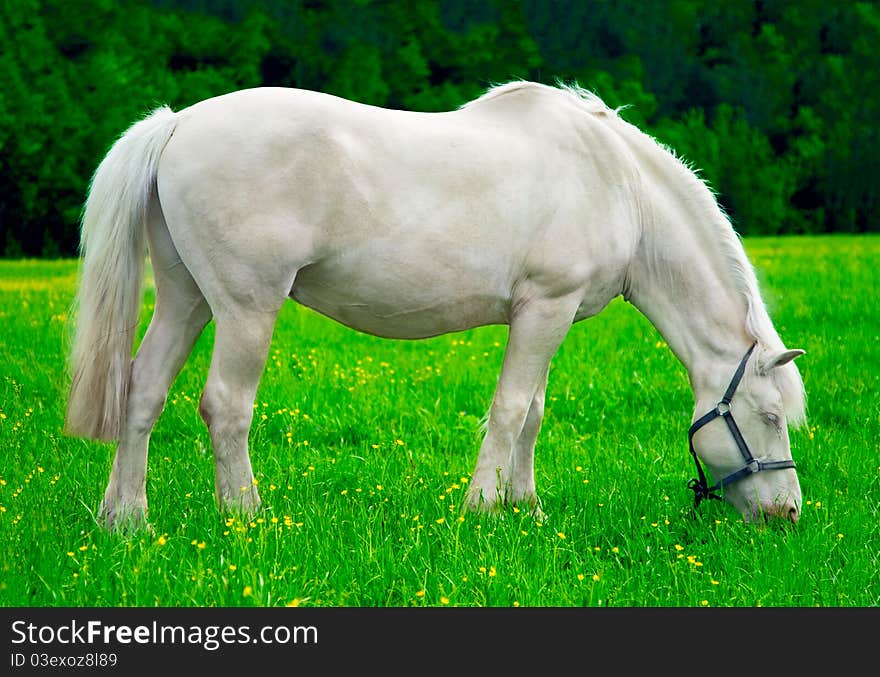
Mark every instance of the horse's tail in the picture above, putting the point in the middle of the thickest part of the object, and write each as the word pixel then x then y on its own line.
pixel 108 302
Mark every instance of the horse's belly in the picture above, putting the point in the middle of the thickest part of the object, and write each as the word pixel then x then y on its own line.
pixel 401 303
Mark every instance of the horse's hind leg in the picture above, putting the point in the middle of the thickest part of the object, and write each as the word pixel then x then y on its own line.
pixel 180 314
pixel 241 345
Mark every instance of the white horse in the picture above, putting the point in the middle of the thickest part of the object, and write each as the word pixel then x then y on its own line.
pixel 531 206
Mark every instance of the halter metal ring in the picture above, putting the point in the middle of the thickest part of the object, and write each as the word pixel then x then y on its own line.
pixel 723 408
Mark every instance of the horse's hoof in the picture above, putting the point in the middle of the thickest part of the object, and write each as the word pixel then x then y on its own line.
pixel 532 505
pixel 124 520
pixel 538 515
pixel 244 507
pixel 476 500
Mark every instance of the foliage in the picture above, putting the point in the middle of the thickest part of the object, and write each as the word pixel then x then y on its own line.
pixel 776 101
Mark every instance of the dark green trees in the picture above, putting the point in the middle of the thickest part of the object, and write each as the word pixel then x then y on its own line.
pixel 776 101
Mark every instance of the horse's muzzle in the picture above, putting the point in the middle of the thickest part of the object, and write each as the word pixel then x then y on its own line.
pixel 787 511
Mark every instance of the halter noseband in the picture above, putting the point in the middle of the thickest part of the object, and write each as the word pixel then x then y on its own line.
pixel 699 485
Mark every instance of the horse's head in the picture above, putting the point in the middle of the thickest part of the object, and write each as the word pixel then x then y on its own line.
pixel 740 432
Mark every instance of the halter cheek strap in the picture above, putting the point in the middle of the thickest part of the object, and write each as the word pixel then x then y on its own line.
pixel 699 485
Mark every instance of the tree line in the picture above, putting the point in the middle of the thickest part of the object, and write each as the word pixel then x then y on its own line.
pixel 774 101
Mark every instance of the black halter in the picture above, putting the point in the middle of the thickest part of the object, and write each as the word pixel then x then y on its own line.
pixel 699 485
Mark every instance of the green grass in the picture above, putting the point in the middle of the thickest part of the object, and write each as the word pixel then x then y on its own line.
pixel 363 448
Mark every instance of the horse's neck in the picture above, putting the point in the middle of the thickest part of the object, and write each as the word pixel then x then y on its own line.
pixel 681 280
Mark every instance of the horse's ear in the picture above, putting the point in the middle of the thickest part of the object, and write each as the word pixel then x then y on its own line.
pixel 780 358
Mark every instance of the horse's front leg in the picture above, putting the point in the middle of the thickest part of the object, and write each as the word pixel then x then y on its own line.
pixel 504 470
pixel 522 488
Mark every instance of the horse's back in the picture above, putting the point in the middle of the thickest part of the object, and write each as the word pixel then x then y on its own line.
pixel 397 223
pixel 330 162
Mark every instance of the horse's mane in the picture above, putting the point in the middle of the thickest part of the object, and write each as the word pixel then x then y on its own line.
pixel 758 324
pixel 584 98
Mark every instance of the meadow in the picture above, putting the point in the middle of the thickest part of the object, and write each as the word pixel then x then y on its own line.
pixel 363 449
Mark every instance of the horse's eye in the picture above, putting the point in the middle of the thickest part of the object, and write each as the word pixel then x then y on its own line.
pixel 772 419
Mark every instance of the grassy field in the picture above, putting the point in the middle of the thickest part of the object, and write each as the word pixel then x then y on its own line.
pixel 363 448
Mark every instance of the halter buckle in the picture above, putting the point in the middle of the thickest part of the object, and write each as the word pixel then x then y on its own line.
pixel 723 408
pixel 699 490
pixel 753 466
pixel 702 491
